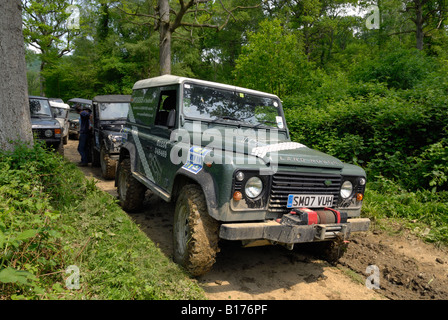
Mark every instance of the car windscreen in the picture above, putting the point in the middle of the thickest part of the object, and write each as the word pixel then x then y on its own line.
pixel 40 108
pixel 59 112
pixel 209 103
pixel 113 111
pixel 73 115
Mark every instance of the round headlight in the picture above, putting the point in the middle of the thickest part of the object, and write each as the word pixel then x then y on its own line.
pixel 254 186
pixel 48 133
pixel 346 189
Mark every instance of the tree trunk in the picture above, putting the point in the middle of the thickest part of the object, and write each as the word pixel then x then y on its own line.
pixel 15 120
pixel 41 79
pixel 419 25
pixel 165 37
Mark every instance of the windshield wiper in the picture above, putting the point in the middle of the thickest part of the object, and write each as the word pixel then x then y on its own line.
pixel 38 115
pixel 224 118
pixel 264 123
pixel 228 118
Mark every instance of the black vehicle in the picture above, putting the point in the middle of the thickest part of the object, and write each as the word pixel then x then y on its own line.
pixel 44 125
pixel 73 116
pixel 109 116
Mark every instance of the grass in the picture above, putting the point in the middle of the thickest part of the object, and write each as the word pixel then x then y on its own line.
pixel 52 218
pixel 424 212
pixel 116 259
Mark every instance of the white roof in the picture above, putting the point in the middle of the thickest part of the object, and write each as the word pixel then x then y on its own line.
pixel 168 80
pixel 59 105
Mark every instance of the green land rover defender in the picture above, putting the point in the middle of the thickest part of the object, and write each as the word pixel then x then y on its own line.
pixel 223 154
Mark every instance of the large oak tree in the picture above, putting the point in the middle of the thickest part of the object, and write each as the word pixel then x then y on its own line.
pixel 15 121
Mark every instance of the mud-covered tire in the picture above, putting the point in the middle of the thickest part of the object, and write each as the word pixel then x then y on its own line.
pixel 195 233
pixel 131 192
pixel 108 165
pixel 60 148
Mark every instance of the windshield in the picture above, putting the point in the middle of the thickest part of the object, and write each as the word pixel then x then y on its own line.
pixel 113 111
pixel 73 115
pixel 59 112
pixel 210 103
pixel 39 108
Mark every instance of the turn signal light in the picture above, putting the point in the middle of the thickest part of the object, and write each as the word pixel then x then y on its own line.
pixel 359 196
pixel 237 196
pixel 57 131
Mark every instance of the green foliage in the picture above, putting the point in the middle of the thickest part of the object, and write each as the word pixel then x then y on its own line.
pixel 30 243
pixel 398 68
pixel 272 61
pixel 51 217
pixel 422 211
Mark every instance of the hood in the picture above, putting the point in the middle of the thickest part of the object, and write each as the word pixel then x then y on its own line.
pixel 277 149
pixel 44 123
pixel 61 121
pixel 115 126
pixel 293 154
pixel 304 156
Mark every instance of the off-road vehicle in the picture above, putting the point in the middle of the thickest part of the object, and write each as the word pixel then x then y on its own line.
pixel 44 125
pixel 60 112
pixel 109 116
pixel 223 154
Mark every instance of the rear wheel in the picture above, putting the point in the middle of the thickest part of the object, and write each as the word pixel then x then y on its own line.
pixel 131 192
pixel 195 233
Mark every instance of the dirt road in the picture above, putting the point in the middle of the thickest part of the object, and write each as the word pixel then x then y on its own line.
pixel 407 269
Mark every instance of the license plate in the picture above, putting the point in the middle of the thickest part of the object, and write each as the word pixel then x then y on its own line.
pixel 309 200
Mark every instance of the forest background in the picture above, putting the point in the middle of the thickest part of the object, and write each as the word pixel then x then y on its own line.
pixel 369 88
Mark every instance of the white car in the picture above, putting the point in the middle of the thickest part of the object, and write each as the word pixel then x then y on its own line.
pixel 60 112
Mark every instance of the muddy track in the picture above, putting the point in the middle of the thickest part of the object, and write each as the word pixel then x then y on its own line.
pixel 407 269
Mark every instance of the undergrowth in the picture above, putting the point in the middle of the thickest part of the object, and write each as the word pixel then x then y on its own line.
pixel 62 238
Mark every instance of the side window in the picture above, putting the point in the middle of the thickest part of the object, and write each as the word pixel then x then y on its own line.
pixel 166 112
pixel 144 105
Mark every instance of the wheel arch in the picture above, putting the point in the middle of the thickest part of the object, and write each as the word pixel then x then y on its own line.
pixel 204 181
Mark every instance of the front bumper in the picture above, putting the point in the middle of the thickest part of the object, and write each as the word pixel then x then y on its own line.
pixel 276 232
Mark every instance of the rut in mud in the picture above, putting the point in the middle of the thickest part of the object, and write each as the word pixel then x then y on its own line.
pixel 408 269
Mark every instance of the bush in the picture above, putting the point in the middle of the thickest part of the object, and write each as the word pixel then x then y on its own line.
pixel 31 180
pixel 398 68
pixel 51 218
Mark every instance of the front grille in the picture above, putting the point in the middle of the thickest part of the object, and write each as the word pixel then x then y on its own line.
pixel 40 133
pixel 286 183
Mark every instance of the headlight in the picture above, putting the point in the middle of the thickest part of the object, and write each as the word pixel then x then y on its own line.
pixel 48 133
pixel 254 187
pixel 346 189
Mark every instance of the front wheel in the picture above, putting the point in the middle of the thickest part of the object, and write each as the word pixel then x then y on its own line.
pixel 195 233
pixel 108 165
pixel 131 192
